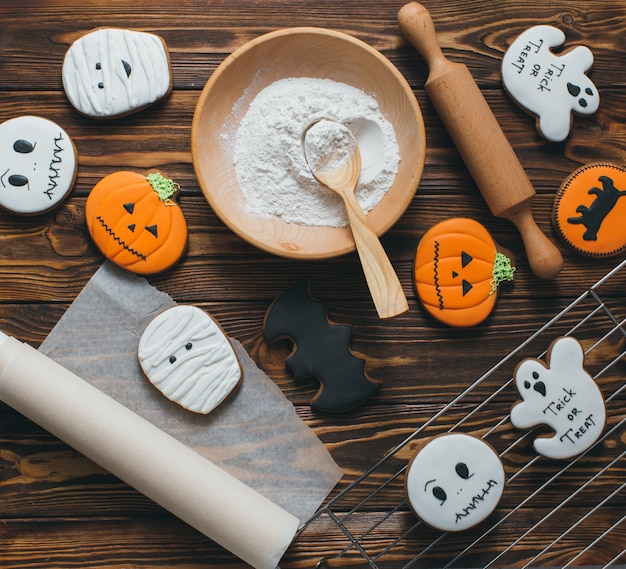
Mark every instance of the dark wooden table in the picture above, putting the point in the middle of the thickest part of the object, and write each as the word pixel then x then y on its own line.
pixel 57 509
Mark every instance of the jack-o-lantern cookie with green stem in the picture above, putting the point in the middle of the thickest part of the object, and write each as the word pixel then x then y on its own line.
pixel 458 268
pixel 135 221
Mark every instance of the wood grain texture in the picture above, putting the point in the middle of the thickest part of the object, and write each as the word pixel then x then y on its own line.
pixel 59 510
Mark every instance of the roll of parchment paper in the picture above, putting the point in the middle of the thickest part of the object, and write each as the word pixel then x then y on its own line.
pixel 171 474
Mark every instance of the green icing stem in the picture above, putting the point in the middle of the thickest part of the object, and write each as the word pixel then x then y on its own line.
pixel 164 187
pixel 502 271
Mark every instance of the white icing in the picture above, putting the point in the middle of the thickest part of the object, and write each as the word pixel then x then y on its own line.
pixel 113 71
pixel 37 164
pixel 186 356
pixel 455 481
pixel 547 85
pixel 562 396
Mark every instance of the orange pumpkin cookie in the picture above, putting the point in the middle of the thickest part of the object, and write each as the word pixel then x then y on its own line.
pixel 590 210
pixel 457 271
pixel 135 222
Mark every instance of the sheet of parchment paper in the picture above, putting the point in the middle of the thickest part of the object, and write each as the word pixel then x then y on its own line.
pixel 255 435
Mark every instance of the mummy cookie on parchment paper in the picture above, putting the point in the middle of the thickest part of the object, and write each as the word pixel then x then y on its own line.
pixel 111 72
pixel 185 354
pixel 454 482
pixel 563 396
pixel 37 165
pixel 547 85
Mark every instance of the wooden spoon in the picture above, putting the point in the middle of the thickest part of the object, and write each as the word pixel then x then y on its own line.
pixel 342 177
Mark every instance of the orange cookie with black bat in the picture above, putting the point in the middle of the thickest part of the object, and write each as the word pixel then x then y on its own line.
pixel 590 210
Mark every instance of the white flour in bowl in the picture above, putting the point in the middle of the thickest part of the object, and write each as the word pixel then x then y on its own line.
pixel 268 153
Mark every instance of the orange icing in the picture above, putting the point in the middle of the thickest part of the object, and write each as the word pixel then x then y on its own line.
pixel 590 209
pixel 133 226
pixel 453 272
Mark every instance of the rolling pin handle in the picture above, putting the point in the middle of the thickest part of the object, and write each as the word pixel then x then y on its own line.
pixel 544 258
pixel 418 27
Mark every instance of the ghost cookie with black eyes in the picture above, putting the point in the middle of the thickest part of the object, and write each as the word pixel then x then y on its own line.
pixel 454 482
pixel 185 354
pixel 135 222
pixel 112 72
pixel 37 165
pixel 563 396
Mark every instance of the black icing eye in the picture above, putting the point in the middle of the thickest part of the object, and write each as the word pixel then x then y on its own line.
pixel 440 494
pixel 127 68
pixel 101 85
pixel 535 375
pixel 172 359
pixel 18 180
pixel 188 346
pixel 527 384
pixel 462 470
pixel 129 207
pixel 23 146
pixel 98 66
pixel 152 229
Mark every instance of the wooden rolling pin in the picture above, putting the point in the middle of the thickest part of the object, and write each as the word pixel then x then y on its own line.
pixel 479 139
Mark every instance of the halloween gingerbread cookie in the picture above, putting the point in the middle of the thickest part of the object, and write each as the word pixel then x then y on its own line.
pixel 457 271
pixel 590 209
pixel 547 85
pixel 135 222
pixel 321 349
pixel 563 396
pixel 37 165
pixel 111 72
pixel 185 354
pixel 454 482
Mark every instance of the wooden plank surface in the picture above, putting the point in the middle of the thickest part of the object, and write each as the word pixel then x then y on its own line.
pixel 59 510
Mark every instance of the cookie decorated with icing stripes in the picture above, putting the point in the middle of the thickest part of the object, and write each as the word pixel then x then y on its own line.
pixel 185 354
pixel 112 72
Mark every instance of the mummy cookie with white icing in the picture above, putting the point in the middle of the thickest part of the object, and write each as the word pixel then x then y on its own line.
pixel 454 482
pixel 37 165
pixel 563 396
pixel 549 86
pixel 112 72
pixel 185 354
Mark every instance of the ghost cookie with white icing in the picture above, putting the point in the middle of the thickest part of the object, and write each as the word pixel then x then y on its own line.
pixel 185 354
pixel 563 396
pixel 547 85
pixel 37 165
pixel 112 72
pixel 454 482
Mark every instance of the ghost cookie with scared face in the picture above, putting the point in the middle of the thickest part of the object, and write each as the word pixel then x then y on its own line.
pixel 548 85
pixel 563 396
pixel 185 354
pixel 112 72
pixel 37 165
pixel 454 482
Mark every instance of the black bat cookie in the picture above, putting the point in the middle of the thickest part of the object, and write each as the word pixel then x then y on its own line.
pixel 321 349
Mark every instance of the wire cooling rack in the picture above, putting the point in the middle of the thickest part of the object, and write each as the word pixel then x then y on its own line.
pixel 552 513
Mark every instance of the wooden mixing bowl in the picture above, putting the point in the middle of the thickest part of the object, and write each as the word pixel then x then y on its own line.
pixel 301 52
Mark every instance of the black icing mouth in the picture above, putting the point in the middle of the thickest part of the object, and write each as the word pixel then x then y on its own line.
pixel 476 501
pixel 118 240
